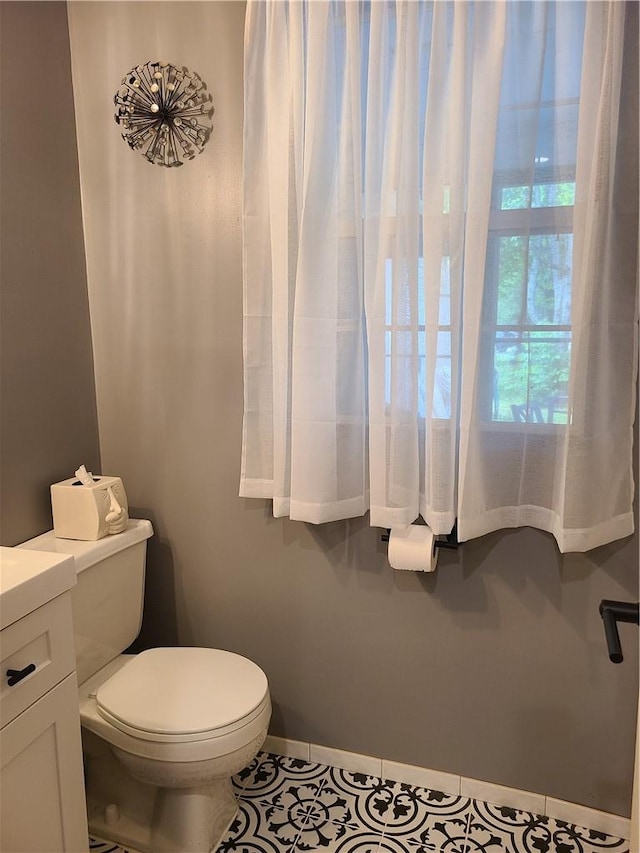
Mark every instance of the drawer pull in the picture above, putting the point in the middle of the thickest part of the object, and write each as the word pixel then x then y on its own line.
pixel 16 675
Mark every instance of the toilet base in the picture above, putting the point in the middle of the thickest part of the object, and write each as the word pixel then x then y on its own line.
pixel 147 819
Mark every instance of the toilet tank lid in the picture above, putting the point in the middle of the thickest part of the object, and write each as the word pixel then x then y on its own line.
pixel 88 553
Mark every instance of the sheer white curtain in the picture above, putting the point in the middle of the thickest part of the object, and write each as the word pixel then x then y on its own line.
pixel 440 264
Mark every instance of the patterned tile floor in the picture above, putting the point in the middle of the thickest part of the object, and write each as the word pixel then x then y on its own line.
pixel 291 806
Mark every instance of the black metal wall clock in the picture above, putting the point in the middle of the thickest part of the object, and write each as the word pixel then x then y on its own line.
pixel 164 112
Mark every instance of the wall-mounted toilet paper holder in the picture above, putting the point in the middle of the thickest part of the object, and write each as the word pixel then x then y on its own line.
pixel 450 542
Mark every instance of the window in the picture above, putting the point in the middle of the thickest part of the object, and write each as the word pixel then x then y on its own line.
pixel 411 357
pixel 527 330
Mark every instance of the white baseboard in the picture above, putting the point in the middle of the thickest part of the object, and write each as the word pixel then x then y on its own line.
pixel 449 783
pixel 283 746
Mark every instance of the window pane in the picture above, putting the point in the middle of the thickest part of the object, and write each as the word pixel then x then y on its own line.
pixel 442 389
pixel 511 279
pixel 558 194
pixel 444 318
pixel 446 200
pixel 531 375
pixel 442 378
pixel 557 139
pixel 537 124
pixel 534 279
pixel 387 367
pixel 421 314
pixel 515 198
pixel 561 194
pixel 549 279
pixel 422 406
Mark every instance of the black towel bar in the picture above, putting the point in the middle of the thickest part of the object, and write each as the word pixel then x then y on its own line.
pixel 613 612
pixel 451 542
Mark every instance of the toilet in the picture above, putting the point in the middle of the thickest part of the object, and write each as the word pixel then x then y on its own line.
pixel 163 731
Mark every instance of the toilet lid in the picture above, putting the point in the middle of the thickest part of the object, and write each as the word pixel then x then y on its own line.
pixel 189 693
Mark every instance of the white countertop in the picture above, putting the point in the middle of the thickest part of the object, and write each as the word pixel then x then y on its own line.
pixel 28 579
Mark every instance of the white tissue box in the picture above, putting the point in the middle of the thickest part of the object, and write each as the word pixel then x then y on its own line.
pixel 89 512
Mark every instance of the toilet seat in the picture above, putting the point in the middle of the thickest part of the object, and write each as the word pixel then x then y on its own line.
pixel 94 722
pixel 183 695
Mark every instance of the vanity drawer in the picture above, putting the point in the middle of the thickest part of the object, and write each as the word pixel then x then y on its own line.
pixel 40 645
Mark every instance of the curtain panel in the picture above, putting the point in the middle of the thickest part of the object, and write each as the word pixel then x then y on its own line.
pixel 440 264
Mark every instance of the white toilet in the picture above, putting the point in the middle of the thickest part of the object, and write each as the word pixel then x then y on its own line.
pixel 162 731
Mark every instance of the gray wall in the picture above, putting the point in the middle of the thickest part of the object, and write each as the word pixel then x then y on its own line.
pixel 494 668
pixel 47 402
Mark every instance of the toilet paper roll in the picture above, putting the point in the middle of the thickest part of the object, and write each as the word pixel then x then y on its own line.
pixel 413 549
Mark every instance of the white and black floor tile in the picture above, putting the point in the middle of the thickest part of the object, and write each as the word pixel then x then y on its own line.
pixel 577 839
pixel 96 846
pixel 269 776
pixel 288 805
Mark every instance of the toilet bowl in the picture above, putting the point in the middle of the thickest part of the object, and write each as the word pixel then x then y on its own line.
pixel 163 731
pixel 179 722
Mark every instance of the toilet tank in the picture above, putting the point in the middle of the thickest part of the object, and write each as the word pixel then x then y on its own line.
pixel 107 600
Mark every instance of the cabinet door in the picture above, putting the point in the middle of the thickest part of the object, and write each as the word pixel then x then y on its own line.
pixel 42 804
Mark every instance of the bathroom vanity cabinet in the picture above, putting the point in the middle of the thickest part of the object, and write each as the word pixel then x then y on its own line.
pixel 42 803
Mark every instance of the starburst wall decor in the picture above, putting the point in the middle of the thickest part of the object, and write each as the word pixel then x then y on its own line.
pixel 164 112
